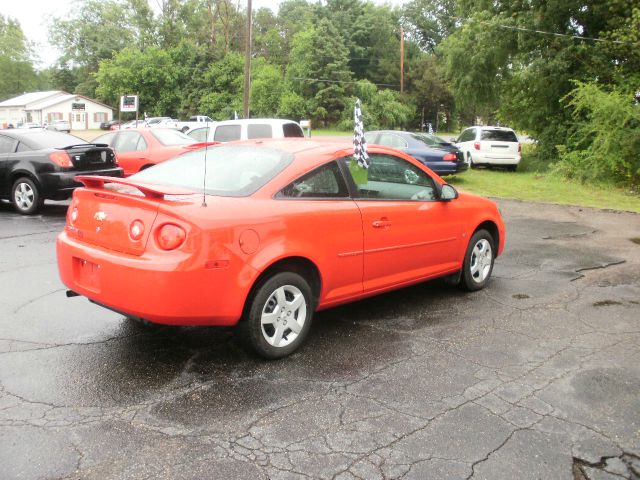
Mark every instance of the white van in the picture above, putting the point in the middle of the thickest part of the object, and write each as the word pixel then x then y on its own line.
pixel 487 145
pixel 246 129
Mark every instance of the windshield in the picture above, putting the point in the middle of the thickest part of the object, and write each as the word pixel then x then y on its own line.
pixel 232 171
pixel 429 139
pixel 170 137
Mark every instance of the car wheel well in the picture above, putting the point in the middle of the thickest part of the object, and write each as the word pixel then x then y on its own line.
pixel 23 173
pixel 492 228
pixel 300 265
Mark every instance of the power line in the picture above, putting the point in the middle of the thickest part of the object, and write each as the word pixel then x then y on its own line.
pixel 543 32
pixel 343 81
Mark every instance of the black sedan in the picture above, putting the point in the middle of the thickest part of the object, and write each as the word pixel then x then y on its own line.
pixel 109 124
pixel 439 155
pixel 40 164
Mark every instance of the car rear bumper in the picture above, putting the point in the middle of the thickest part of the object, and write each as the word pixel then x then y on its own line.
pixel 448 168
pixel 170 289
pixel 492 159
pixel 60 185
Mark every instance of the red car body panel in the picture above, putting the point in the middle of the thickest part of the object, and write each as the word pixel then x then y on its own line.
pixel 359 247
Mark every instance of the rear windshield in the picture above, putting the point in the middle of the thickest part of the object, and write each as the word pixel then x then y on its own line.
pixel 499 135
pixel 231 171
pixel 169 137
pixel 292 130
pixel 48 139
pixel 429 139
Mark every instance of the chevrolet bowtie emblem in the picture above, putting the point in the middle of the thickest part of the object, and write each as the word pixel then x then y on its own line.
pixel 100 216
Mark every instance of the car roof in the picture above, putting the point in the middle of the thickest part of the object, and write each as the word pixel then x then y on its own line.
pixel 249 121
pixel 493 127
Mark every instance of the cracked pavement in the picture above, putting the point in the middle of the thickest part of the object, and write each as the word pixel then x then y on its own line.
pixel 537 376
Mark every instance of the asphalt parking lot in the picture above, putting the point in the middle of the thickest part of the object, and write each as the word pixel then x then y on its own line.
pixel 537 376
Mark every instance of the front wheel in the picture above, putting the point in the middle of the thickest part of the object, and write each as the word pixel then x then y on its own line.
pixel 26 197
pixel 478 261
pixel 278 315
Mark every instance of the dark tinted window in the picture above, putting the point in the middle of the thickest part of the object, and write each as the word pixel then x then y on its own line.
pixel 323 182
pixel 428 139
pixel 227 133
pixel 468 135
pixel 259 130
pixel 167 137
pixel 292 130
pixel 391 178
pixel 7 145
pixel 231 171
pixel 499 135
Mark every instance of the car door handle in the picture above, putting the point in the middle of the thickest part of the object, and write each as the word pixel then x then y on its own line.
pixel 382 223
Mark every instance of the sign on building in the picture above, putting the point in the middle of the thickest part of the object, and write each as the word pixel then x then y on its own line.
pixel 77 107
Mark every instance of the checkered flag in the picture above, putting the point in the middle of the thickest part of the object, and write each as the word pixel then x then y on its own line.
pixel 359 143
pixel 430 129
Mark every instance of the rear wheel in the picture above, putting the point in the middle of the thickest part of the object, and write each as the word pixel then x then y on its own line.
pixel 471 164
pixel 512 168
pixel 278 315
pixel 26 197
pixel 478 261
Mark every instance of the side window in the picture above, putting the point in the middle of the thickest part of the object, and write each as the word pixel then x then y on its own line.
pixel 142 144
pixel 392 178
pixel 127 142
pixel 468 135
pixel 259 130
pixel 106 138
pixel 7 145
pixel 292 130
pixel 227 133
pixel 22 147
pixel 323 182
pixel 391 140
pixel 199 134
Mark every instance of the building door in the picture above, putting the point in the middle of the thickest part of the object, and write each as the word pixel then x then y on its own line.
pixel 78 121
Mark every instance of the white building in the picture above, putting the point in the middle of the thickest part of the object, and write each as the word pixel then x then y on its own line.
pixel 44 107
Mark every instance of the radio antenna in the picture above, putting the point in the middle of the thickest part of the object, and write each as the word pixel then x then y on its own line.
pixel 204 177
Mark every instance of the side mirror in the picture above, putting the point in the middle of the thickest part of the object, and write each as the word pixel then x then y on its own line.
pixel 448 193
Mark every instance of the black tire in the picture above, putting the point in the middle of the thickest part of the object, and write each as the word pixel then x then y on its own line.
pixel 25 196
pixel 264 339
pixel 471 164
pixel 475 274
pixel 512 168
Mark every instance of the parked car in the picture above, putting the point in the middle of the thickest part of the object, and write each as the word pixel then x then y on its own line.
pixel 22 125
pixel 194 122
pixel 490 146
pixel 247 129
pixel 140 148
pixel 264 233
pixel 40 164
pixel 436 153
pixel 60 126
pixel 111 123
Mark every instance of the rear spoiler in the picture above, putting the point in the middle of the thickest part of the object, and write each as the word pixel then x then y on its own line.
pixel 196 146
pixel 150 190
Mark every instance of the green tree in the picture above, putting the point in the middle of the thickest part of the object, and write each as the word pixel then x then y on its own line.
pixel 152 74
pixel 16 64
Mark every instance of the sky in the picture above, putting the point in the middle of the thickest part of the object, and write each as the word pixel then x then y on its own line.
pixel 33 16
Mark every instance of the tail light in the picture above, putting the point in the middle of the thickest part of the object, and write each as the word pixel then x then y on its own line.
pixel 450 157
pixel 476 145
pixel 170 236
pixel 136 230
pixel 519 148
pixel 62 159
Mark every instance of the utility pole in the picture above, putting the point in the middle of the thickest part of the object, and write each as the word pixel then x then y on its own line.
pixel 247 64
pixel 401 59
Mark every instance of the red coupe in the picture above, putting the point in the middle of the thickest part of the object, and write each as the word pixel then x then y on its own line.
pixel 140 148
pixel 264 233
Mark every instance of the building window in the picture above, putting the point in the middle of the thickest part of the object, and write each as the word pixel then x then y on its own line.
pixel 100 117
pixel 51 116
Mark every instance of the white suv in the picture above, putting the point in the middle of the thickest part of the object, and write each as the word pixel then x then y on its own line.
pixel 490 146
pixel 246 129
